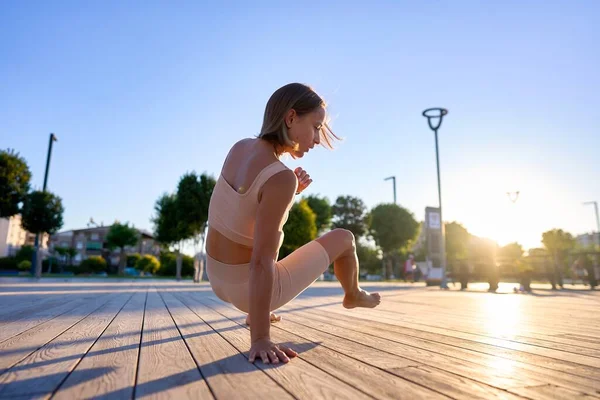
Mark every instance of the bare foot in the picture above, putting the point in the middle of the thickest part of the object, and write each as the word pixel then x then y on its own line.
pixel 274 318
pixel 362 299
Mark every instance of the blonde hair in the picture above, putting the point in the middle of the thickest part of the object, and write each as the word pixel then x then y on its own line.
pixel 300 98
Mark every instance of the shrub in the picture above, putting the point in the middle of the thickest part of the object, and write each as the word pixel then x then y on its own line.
pixel 168 265
pixel 24 265
pixel 132 259
pixel 8 263
pixel 95 264
pixel 25 253
pixel 148 263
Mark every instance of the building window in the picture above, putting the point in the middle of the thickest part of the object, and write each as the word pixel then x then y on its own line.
pixel 94 236
pixel 79 245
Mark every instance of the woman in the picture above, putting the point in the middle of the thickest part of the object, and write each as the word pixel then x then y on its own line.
pixel 250 205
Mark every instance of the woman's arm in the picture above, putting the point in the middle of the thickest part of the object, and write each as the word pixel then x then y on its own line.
pixel 276 196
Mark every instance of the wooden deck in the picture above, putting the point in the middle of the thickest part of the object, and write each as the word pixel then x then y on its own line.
pixel 176 340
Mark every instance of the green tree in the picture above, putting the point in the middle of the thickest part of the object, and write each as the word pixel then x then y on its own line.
pixel 120 236
pixel 167 230
pixel 457 241
pixel 71 253
pixel 510 257
pixel 558 243
pixel 192 201
pixel 148 263
pixel 42 213
pixel 393 228
pixel 369 259
pixel 322 210
pixel 14 182
pixel 299 229
pixel 350 213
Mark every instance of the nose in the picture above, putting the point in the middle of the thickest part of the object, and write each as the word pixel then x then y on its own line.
pixel 318 138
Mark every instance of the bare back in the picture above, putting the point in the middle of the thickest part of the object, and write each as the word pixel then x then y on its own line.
pixel 246 159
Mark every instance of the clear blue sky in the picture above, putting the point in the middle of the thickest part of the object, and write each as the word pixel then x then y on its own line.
pixel 140 93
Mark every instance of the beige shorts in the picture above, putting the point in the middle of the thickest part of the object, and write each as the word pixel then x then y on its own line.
pixel 293 274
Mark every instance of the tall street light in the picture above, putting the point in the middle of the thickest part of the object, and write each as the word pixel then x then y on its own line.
pixel 393 178
pixel 437 114
pixel 53 139
pixel 595 204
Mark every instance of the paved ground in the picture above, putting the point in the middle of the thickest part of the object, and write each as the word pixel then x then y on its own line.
pixel 124 339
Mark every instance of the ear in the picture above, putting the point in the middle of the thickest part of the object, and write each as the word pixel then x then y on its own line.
pixel 290 117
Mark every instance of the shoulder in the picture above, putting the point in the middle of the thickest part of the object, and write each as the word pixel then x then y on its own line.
pixel 283 184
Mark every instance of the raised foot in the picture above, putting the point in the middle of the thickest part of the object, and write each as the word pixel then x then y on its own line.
pixel 362 299
pixel 274 318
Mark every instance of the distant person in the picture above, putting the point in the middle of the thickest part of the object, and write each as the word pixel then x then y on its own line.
pixel 248 209
pixel 409 268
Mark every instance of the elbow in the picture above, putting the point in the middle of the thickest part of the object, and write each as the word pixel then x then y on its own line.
pixel 262 265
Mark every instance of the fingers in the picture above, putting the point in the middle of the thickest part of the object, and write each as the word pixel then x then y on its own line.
pixel 264 357
pixel 289 352
pixel 273 357
pixel 282 356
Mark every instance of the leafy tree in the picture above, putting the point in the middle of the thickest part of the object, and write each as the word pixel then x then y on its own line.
pixel 148 263
pixel 510 257
pixel 71 252
pixel 350 213
pixel 322 210
pixel 299 229
pixel 14 182
pixel 120 236
pixel 42 213
pixel 167 229
pixel 558 243
pixel 393 228
pixel 457 241
pixel 368 258
pixel 192 202
pixel 512 251
pixel 94 264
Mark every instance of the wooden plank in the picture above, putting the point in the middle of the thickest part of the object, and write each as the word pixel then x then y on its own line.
pixel 550 392
pixel 488 361
pixel 300 378
pixel 43 371
pixel 227 372
pixel 166 368
pixel 52 310
pixel 22 345
pixel 116 352
pixel 435 379
pixel 579 365
pixel 372 380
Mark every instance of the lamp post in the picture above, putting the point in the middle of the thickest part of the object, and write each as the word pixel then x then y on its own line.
pixel 595 204
pixel 393 178
pixel 53 138
pixel 437 114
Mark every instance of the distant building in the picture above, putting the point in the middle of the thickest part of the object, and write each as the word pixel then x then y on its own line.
pixel 588 239
pixel 92 242
pixel 13 237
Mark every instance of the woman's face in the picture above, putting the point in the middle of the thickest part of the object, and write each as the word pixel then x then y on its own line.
pixel 305 130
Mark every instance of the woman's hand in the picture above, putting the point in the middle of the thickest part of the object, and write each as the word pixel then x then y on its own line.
pixel 269 352
pixel 303 179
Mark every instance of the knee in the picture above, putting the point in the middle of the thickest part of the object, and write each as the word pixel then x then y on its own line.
pixel 346 237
